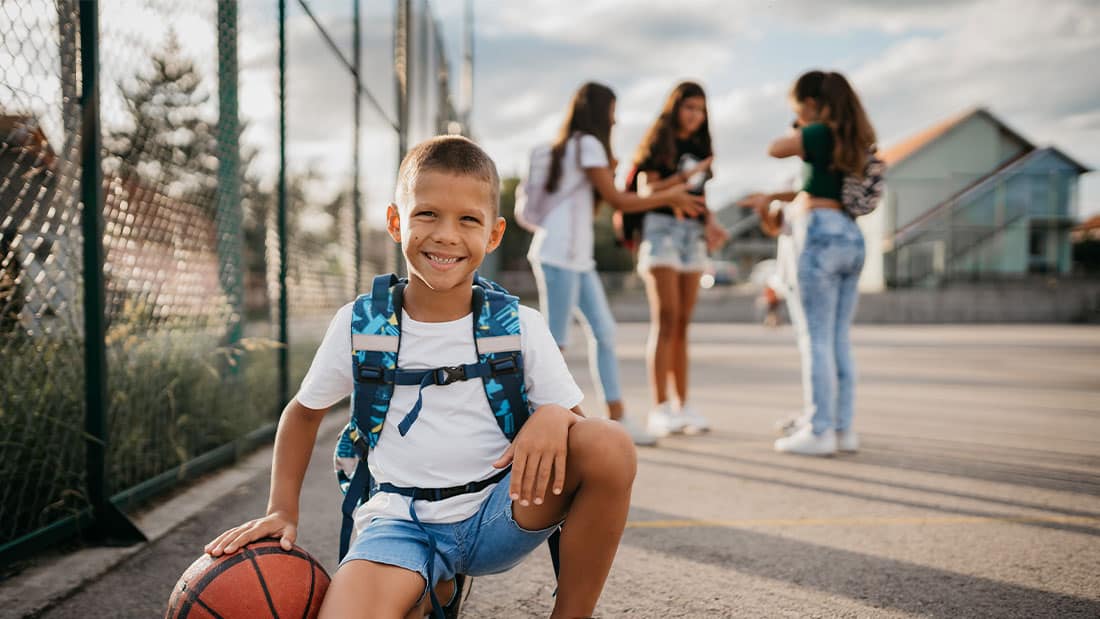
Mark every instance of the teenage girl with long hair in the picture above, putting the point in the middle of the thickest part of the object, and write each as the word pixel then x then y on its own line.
pixel 673 251
pixel 561 253
pixel 834 137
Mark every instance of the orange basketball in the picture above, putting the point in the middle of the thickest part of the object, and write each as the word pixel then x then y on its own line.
pixel 259 580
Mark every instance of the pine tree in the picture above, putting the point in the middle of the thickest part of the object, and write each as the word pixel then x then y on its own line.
pixel 170 140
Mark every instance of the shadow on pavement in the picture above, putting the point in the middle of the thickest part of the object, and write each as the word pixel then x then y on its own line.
pixel 878 581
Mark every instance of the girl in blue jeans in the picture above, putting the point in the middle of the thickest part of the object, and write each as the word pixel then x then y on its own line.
pixel 561 252
pixel 833 136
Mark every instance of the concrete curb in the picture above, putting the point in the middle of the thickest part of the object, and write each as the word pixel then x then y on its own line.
pixel 57 577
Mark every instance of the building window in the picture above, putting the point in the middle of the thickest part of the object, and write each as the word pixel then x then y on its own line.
pixel 1037 249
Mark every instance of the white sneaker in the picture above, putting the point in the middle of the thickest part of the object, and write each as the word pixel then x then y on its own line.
pixel 790 425
pixel 662 421
pixel 806 443
pixel 694 422
pixel 847 441
pixel 638 434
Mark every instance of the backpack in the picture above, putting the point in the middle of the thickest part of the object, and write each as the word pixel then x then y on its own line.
pixel 376 336
pixel 533 202
pixel 861 194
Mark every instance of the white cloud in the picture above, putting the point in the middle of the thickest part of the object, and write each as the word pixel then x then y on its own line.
pixel 1025 61
pixel 913 62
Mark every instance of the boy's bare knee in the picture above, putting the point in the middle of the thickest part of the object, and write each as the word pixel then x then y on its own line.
pixel 393 591
pixel 603 451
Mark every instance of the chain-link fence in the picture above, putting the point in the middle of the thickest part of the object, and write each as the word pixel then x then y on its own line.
pixel 197 359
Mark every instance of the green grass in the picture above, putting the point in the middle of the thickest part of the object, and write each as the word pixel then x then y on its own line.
pixel 174 394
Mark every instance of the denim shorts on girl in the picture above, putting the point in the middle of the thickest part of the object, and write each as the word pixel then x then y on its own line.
pixel 489 542
pixel 670 242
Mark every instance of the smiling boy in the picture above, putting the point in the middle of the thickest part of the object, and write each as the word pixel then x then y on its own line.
pixel 563 466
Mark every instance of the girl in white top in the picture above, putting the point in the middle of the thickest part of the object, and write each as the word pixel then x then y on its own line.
pixel 561 254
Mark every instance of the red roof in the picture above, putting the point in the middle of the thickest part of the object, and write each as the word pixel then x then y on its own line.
pixel 1090 224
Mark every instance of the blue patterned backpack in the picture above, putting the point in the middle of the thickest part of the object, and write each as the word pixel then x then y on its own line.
pixel 375 338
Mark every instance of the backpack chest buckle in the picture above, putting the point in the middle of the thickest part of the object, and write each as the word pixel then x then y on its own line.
pixel 450 374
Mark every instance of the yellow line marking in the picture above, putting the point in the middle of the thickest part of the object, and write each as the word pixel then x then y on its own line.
pixel 867 521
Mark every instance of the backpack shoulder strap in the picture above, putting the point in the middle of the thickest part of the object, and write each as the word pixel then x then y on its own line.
pixel 375 340
pixel 498 340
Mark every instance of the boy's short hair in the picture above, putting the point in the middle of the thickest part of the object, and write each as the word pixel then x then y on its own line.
pixel 447 153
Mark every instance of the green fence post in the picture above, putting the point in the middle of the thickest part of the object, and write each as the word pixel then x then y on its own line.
pixel 228 218
pixel 284 350
pixel 110 526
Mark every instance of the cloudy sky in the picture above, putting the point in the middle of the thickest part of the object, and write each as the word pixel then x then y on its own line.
pixel 915 62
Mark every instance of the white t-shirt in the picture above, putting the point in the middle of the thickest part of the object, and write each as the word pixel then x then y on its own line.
pixel 455 439
pixel 565 239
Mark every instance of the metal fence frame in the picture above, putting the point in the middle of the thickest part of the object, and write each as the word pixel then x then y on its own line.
pixel 104 520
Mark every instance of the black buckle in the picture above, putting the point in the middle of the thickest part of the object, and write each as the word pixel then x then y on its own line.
pixel 371 374
pixel 448 375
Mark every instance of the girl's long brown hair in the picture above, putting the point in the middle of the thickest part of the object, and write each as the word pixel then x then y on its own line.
pixel 841 111
pixel 589 112
pixel 659 145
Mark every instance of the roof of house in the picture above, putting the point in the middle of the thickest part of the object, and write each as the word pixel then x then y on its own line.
pixel 917 142
pixel 24 133
pixel 1090 224
pixel 908 147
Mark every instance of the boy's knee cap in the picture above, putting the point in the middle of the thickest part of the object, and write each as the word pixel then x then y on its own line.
pixel 606 446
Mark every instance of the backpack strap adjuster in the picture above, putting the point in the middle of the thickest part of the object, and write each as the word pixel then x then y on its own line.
pixel 503 365
pixel 370 374
pixel 362 448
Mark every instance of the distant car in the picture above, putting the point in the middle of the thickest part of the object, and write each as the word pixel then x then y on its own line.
pixel 719 273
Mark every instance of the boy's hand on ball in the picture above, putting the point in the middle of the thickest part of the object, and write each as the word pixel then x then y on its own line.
pixel 275 524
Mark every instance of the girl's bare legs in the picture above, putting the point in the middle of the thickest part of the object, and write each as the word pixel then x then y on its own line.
pixel 689 294
pixel 663 292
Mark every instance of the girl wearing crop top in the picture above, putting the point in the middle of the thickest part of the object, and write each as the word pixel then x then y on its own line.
pixel 832 136
pixel 673 251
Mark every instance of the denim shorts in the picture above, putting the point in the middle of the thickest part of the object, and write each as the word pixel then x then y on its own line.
pixel 671 242
pixel 489 542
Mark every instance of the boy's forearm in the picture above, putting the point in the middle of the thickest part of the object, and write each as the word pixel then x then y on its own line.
pixel 294 441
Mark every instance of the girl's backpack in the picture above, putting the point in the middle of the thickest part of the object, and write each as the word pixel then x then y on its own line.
pixel 861 194
pixel 533 202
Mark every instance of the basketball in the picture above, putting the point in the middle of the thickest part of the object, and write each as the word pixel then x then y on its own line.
pixel 259 580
